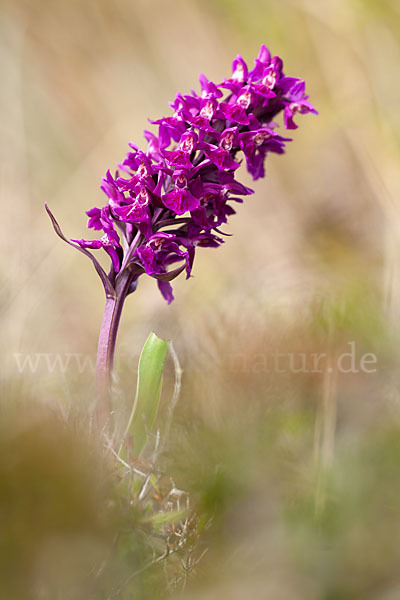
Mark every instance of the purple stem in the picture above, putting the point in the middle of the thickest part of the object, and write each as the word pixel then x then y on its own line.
pixel 106 348
pixel 108 334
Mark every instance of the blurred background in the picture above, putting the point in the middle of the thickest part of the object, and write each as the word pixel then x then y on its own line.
pixel 299 470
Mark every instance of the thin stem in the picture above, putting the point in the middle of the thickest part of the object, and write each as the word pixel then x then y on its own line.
pixel 106 348
pixel 108 335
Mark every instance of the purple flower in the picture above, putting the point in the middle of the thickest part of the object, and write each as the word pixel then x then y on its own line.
pixel 137 210
pixel 160 251
pixel 208 88
pixel 111 189
pixel 109 242
pixel 239 75
pixel 221 155
pixel 180 200
pixel 297 103
pixel 172 198
pixel 256 144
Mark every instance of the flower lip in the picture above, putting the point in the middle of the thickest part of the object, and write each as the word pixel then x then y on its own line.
pixel 270 78
pixel 106 241
pixel 227 140
pixel 188 142
pixel 239 70
pixel 142 170
pixel 260 137
pixel 295 107
pixel 208 110
pixel 143 197
pixel 181 180
pixel 244 100
pixel 158 239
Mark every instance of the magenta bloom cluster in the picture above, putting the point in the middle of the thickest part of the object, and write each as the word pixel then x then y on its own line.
pixel 166 202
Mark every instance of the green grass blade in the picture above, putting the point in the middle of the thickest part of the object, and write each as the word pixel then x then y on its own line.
pixel 148 391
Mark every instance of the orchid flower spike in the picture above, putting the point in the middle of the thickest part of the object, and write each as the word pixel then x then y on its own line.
pixel 164 203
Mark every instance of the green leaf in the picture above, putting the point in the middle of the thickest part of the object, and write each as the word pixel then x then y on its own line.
pixel 148 391
pixel 165 518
